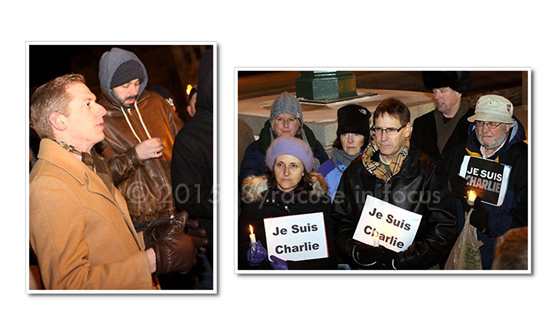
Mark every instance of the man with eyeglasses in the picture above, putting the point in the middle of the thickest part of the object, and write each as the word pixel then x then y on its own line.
pixel 441 130
pixel 498 136
pixel 391 171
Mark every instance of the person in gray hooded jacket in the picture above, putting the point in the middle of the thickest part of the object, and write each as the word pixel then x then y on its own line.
pixel 140 127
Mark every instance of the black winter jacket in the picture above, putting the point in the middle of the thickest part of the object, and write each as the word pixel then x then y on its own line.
pixel 424 135
pixel 421 187
pixel 261 201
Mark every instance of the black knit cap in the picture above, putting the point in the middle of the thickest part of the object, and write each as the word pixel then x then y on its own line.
pixel 126 72
pixel 459 81
pixel 353 119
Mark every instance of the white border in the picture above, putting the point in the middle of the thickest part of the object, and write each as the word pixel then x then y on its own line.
pixel 388 272
pixel 215 173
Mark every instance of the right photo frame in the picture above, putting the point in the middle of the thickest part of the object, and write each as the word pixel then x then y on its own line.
pixel 402 170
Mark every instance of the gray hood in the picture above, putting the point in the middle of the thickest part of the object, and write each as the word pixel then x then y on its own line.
pixel 109 63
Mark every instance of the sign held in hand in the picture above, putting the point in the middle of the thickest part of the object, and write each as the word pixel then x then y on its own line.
pixel 386 225
pixel 296 237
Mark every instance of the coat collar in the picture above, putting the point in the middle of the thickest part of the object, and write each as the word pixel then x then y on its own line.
pixel 55 154
pixel 254 188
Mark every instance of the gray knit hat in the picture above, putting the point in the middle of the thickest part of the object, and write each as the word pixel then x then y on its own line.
pixel 286 104
pixel 493 108
pixel 292 146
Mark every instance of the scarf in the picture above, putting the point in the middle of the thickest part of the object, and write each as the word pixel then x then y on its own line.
pixel 93 161
pixel 444 131
pixel 378 169
pixel 340 156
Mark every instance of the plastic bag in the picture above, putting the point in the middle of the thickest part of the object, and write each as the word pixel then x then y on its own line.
pixel 465 254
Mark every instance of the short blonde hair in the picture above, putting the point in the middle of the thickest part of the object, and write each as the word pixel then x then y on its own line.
pixel 51 97
pixel 273 123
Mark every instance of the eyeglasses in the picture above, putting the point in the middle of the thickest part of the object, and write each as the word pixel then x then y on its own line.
pixel 490 124
pixel 388 131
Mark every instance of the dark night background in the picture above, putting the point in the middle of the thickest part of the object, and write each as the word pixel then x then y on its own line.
pixel 169 66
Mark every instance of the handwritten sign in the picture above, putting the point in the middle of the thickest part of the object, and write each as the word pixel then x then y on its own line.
pixel 296 237
pixel 489 179
pixel 392 227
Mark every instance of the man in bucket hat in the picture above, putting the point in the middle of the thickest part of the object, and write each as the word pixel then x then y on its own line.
pixel 497 136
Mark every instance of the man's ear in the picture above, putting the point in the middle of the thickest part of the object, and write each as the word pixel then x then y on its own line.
pixel 58 121
pixel 408 130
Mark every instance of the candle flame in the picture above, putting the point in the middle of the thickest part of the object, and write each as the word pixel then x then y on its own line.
pixel 471 195
pixel 250 229
pixel 188 88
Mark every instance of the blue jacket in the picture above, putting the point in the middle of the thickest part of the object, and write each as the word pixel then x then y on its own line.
pixel 332 174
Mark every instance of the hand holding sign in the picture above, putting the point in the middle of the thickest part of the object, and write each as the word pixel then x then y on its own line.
pixel 489 179
pixel 395 227
pixel 376 257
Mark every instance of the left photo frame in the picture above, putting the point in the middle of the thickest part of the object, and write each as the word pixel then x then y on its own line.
pixel 122 168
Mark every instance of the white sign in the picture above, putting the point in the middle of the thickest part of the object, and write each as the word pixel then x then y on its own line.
pixel 489 179
pixel 296 237
pixel 388 225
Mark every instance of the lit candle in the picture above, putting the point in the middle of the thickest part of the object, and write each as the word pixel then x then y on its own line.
pixel 471 197
pixel 376 241
pixel 252 235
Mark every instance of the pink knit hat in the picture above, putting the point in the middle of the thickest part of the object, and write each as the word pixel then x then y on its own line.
pixel 292 146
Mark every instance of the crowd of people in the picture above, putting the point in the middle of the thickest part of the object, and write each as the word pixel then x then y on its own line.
pixel 395 194
pixel 121 189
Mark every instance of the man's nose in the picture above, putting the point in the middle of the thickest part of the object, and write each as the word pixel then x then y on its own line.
pixel 101 111
pixel 133 90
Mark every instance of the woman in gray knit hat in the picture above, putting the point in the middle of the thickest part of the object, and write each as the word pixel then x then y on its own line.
pixel 285 120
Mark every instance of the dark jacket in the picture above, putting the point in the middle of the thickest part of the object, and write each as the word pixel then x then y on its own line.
pixel 192 166
pixel 261 201
pixel 193 154
pixel 514 210
pixel 146 185
pixel 421 187
pixel 254 162
pixel 424 135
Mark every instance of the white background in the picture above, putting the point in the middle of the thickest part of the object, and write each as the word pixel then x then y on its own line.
pixel 268 34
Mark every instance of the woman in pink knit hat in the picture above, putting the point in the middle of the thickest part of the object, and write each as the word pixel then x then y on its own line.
pixel 291 188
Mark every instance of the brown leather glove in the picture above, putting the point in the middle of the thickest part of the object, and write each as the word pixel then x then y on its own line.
pixel 197 233
pixel 175 251
pixel 153 232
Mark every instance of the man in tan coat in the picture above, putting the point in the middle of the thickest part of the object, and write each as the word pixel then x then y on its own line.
pixel 80 227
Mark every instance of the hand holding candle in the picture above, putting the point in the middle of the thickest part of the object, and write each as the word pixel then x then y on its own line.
pixel 471 197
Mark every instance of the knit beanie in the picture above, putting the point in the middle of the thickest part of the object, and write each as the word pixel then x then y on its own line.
pixel 459 81
pixel 286 104
pixel 354 119
pixel 292 146
pixel 126 72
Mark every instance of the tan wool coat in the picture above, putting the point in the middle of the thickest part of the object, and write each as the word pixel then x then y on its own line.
pixel 81 233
